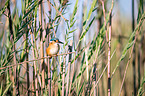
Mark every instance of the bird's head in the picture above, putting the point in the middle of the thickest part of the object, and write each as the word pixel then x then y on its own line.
pixel 56 40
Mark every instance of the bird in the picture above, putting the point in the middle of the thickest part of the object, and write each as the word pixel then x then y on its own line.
pixel 53 47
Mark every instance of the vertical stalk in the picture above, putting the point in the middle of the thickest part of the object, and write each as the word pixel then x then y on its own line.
pixel 109 58
pixel 15 71
pixel 41 45
pixel 139 63
pixel 94 79
pixel 27 53
pixel 99 24
pixel 49 77
pixel 109 50
pixel 109 45
pixel 27 58
pixel 86 49
pixel 86 59
pixel 72 75
pixel 43 64
pixel 63 76
pixel 140 12
pixel 69 68
pixel 34 49
pixel 33 53
pixel 44 44
pixel 133 63
pixel 48 38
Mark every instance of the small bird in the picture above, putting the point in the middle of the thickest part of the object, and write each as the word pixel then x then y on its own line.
pixel 53 47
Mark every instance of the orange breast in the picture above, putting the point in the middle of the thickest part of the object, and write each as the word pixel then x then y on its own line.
pixel 52 49
pixel 48 51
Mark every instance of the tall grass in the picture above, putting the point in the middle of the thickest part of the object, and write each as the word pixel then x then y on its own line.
pixel 80 67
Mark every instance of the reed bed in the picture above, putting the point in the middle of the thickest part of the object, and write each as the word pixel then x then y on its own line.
pixel 101 55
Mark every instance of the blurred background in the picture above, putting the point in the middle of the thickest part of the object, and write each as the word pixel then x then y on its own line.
pixel 26 27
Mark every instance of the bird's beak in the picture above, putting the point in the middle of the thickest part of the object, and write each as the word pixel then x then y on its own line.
pixel 60 42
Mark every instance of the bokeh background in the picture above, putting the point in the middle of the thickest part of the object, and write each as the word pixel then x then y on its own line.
pixel 81 68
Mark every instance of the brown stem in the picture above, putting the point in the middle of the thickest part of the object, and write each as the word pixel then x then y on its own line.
pixel 13 49
pixel 133 63
pixel 69 68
